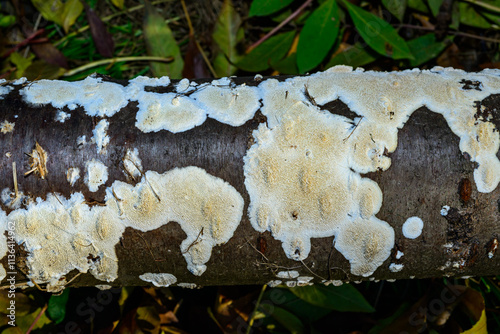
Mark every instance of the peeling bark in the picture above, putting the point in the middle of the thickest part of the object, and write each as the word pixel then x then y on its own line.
pixel 428 172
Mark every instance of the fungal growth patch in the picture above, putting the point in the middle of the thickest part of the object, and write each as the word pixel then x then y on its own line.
pixel 307 162
pixel 159 280
pixel 62 116
pixel 412 227
pixel 96 175
pixel 66 234
pixel 4 89
pixel 100 137
pixel 132 163
pixel 98 98
pixel 6 127
pixel 72 175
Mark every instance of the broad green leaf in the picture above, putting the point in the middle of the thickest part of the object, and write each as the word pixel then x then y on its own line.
pixel 71 10
pixel 56 308
pixel 378 34
pixel 160 42
pixel 344 298
pixel 434 5
pixel 227 34
pixel 491 16
pixel 418 5
pixel 260 58
pixel 266 7
pixel 396 7
pixel 455 16
pixel 7 20
pixel 471 17
pixel 306 312
pixel 425 48
pixel 117 3
pixel 287 65
pixel 23 303
pixel 287 319
pixel 318 35
pixel 355 56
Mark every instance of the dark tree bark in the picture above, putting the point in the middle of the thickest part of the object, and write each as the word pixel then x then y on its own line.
pixel 428 171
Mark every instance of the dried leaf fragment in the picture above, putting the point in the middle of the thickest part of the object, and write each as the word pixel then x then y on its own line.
pixel 38 161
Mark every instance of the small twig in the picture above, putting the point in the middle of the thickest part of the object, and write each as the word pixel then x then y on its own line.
pixel 115 60
pixel 42 311
pixel 191 35
pixel 312 272
pixel 257 304
pixel 258 251
pixel 279 26
pixel 345 139
pixel 484 5
pixel 195 241
pixel 14 176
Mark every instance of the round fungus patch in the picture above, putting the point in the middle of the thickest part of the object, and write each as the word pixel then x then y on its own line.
pixel 412 228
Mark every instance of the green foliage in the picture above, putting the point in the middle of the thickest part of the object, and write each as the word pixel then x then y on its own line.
pixel 274 49
pixel 56 308
pixel 378 34
pixel 266 7
pixel 344 298
pixel 318 36
pixel 425 47
pixel 396 7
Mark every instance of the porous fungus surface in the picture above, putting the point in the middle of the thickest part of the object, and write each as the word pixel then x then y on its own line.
pixel 65 234
pixel 302 173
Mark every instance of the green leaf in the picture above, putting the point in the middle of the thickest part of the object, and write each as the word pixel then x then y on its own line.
pixel 344 298
pixel 425 48
pixel 396 7
pixel 160 42
pixel 266 7
pixel 318 36
pixel 378 34
pixel 471 17
pixel 418 5
pixel 287 65
pixel 354 56
pixel 260 58
pixel 20 62
pixel 284 318
pixel 227 34
pixel 434 5
pixel 7 20
pixel 71 10
pixel 56 308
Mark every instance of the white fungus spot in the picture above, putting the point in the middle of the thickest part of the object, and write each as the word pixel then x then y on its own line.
pixel 100 138
pixel 412 227
pixel 274 283
pixel 290 274
pixel 62 116
pixel 4 90
pixel 6 127
pixel 304 280
pixel 393 267
pixel 103 287
pixel 81 141
pixel 97 174
pixel 444 210
pixel 132 163
pixel 72 175
pixel 187 285
pixel 159 280
pixel 399 255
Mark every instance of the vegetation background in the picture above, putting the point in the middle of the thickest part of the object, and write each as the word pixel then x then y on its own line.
pixel 71 39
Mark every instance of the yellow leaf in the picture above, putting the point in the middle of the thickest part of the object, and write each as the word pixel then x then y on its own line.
pixel 474 303
pixel 118 3
pixel 72 9
pixel 50 9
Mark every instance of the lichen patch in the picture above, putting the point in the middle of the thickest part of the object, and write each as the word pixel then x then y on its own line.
pixel 96 174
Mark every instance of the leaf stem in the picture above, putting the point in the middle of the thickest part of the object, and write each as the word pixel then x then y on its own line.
pixel 279 26
pixel 257 304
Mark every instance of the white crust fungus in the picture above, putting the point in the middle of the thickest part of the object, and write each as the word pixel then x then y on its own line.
pixel 6 127
pixel 290 274
pixel 65 234
pixel 412 227
pixel 159 280
pixel 187 285
pixel 4 90
pixel 132 163
pixel 100 138
pixel 72 175
pixel 396 267
pixel 97 174
pixel 62 116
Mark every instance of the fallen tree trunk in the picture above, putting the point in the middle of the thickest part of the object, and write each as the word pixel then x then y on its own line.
pixel 130 182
